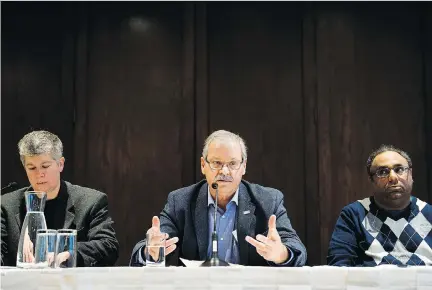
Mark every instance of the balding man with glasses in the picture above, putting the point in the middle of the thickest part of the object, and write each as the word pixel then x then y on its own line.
pixel 390 227
pixel 252 225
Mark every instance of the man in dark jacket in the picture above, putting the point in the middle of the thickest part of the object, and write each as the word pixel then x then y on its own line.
pixel 252 223
pixel 68 206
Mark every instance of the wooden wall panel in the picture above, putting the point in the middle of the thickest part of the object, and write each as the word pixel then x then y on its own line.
pixel 335 108
pixel 389 70
pixel 310 135
pixel 255 58
pixel 426 20
pixel 81 99
pixel 138 112
pixel 36 80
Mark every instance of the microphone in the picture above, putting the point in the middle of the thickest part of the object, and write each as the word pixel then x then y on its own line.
pixel 214 261
pixel 10 185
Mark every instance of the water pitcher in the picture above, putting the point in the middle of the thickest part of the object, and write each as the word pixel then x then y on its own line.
pixel 34 220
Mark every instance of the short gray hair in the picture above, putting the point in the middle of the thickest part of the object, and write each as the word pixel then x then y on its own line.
pixel 40 142
pixel 224 137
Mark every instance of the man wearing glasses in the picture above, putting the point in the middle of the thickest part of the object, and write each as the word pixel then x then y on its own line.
pixel 252 223
pixel 392 226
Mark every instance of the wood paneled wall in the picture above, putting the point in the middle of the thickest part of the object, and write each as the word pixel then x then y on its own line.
pixel 133 89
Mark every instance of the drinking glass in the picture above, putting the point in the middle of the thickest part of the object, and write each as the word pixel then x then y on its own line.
pixel 66 249
pixel 155 249
pixel 45 248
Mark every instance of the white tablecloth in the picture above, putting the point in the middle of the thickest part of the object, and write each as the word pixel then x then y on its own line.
pixel 323 277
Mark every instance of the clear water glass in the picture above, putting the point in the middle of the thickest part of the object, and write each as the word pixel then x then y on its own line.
pixel 155 249
pixel 45 248
pixel 66 249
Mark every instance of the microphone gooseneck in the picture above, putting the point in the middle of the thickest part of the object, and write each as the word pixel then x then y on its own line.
pixel 214 261
pixel 215 186
pixel 10 185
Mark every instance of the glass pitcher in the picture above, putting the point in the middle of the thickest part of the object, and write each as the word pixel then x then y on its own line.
pixel 34 220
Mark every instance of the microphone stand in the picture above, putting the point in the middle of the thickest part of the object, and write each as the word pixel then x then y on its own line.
pixel 214 261
pixel 9 186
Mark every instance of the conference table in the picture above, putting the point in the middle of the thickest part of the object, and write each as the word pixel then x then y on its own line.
pixel 319 277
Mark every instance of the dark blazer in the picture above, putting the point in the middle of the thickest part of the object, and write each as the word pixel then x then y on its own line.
pixel 185 216
pixel 86 211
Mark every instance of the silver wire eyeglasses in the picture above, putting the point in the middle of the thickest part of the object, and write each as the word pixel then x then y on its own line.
pixel 384 172
pixel 218 165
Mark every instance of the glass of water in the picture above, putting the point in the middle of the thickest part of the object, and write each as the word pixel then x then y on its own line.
pixel 155 249
pixel 45 248
pixel 66 249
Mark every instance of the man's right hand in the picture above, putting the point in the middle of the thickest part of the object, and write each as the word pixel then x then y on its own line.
pixel 170 245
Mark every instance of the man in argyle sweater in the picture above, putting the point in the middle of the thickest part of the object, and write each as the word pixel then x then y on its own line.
pixel 390 227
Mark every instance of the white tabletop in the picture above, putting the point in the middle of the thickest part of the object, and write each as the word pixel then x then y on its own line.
pixel 323 277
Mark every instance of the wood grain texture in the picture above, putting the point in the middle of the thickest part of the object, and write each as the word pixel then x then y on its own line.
pixel 426 22
pixel 139 111
pixel 36 81
pixel 311 172
pixel 255 91
pixel 201 101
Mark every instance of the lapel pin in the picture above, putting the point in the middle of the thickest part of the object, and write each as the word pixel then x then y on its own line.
pixel 246 212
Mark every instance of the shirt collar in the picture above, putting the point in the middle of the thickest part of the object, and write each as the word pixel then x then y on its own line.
pixel 211 201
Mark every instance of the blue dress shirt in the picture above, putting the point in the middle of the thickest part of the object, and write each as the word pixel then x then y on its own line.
pixel 228 249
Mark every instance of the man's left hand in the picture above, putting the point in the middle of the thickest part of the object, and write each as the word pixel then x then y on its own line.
pixel 270 247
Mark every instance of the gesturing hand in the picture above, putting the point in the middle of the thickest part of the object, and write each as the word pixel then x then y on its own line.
pixel 156 238
pixel 270 247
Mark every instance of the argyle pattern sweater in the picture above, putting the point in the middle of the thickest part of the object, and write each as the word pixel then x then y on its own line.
pixel 366 235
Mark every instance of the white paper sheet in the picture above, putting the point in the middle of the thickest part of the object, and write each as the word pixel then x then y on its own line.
pixel 196 264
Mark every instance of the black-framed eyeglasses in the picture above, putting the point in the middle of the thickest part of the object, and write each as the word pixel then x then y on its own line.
pixel 384 172
pixel 218 165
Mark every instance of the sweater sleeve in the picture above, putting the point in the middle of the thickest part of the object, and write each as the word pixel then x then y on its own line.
pixel 343 248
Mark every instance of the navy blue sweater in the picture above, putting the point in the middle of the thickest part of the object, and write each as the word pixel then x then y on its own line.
pixel 366 235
